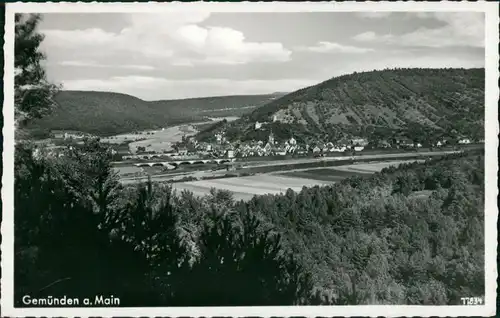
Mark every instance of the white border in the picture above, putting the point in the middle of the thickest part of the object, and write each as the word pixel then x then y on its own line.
pixel 491 145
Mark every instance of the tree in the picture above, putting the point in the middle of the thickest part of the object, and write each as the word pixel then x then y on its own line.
pixel 241 263
pixel 88 173
pixel 33 93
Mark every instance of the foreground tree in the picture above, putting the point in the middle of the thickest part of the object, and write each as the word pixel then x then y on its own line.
pixel 33 93
pixel 242 264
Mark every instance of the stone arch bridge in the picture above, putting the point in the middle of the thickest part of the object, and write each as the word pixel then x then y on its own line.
pixel 177 163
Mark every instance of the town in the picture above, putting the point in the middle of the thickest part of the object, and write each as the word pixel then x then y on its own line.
pixel 189 148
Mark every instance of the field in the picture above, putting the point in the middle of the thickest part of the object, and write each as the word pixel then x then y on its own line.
pixel 335 174
pixel 244 188
pixel 158 140
pixel 162 140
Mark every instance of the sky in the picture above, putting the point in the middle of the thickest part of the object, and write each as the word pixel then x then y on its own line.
pixel 157 56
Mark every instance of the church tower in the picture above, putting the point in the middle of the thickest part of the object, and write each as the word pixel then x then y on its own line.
pixel 271 138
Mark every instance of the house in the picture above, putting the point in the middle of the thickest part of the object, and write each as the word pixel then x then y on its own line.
pixel 183 151
pixel 243 151
pixel 268 149
pixel 383 144
pixel 358 148
pixel 57 134
pixel 359 142
pixel 230 153
pixel 316 150
pixel 291 149
pixel 258 125
pixel 338 149
pixel 403 142
pixel 464 141
pixel 280 152
pixel 218 137
pixel 292 141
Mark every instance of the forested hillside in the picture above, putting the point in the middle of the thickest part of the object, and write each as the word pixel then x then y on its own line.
pixel 407 235
pixel 105 113
pixel 418 103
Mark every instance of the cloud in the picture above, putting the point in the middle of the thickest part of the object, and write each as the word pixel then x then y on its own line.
pixel 330 47
pixel 155 88
pixel 98 65
pixel 373 15
pixel 459 29
pixel 175 37
pixel 221 45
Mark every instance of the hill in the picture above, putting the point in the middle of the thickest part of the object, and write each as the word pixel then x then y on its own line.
pixel 106 113
pixel 412 102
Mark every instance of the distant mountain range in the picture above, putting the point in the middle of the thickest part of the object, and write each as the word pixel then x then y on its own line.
pixel 106 113
pixel 418 103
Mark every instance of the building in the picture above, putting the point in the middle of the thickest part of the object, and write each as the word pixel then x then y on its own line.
pixel 383 144
pixel 280 151
pixel 57 134
pixel 404 142
pixel 358 148
pixel 268 149
pixel 218 137
pixel 271 138
pixel 230 153
pixel 291 149
pixel 183 151
pixel 359 142
pixel 258 125
pixel 464 141
pixel 338 149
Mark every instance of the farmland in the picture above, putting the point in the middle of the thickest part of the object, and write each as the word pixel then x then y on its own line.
pixel 244 188
pixel 157 140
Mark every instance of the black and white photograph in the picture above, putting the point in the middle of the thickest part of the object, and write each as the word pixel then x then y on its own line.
pixel 266 159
